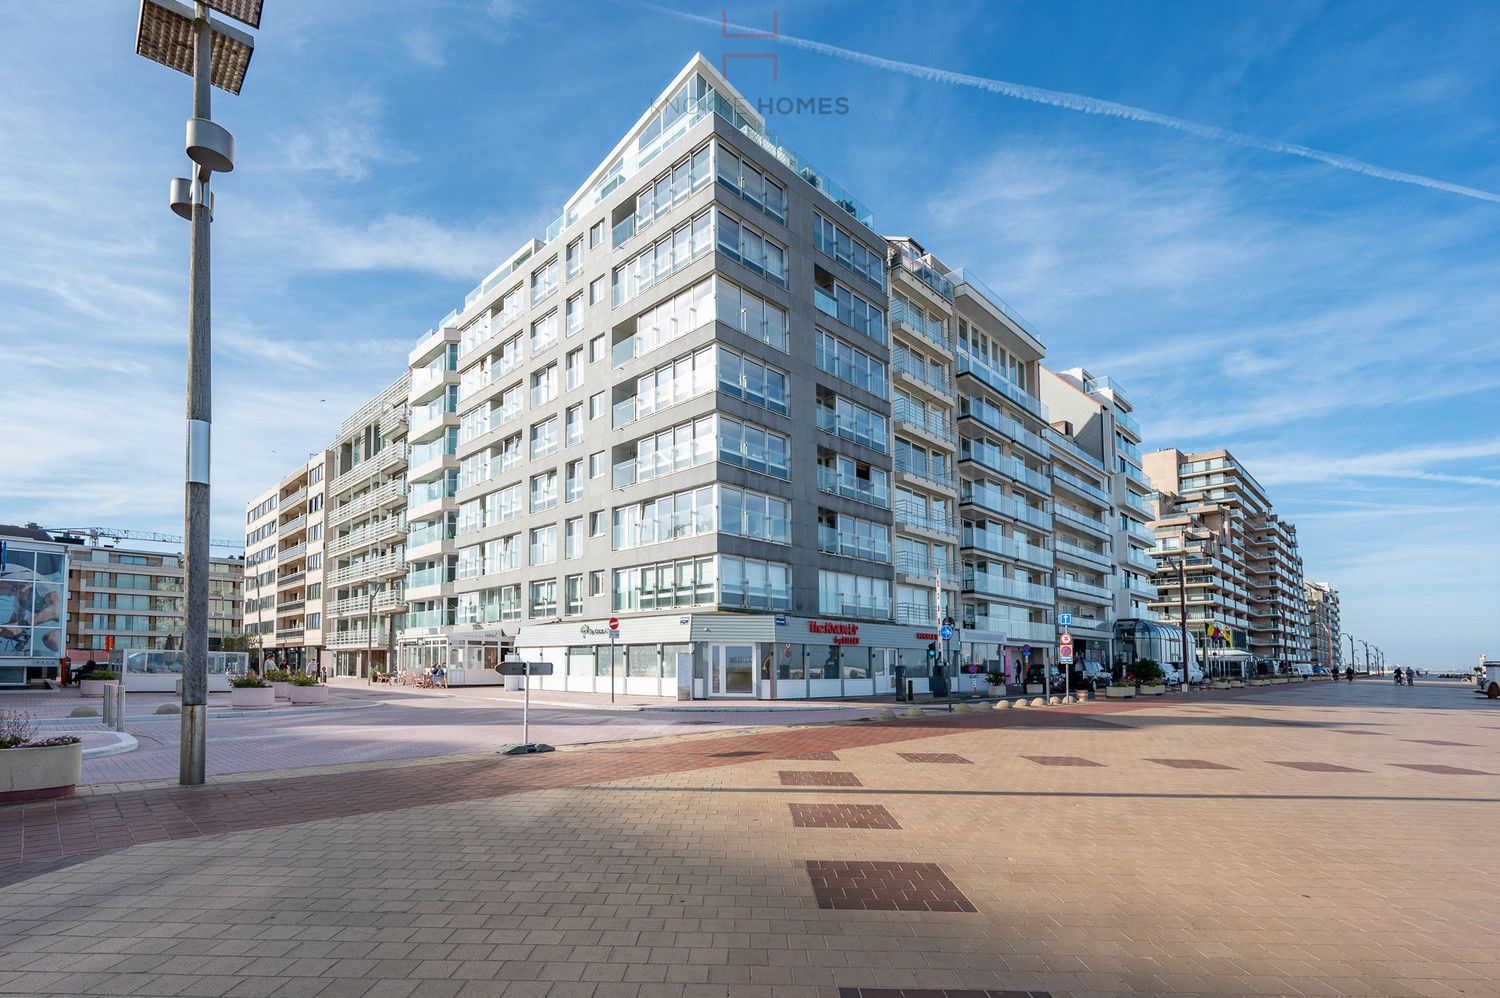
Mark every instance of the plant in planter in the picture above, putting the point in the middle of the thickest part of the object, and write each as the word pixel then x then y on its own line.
pixel 996 680
pixel 32 769
pixel 306 691
pixel 281 683
pixel 1148 677
pixel 96 682
pixel 251 693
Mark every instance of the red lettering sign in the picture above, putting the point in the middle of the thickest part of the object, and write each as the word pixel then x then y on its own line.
pixel 824 627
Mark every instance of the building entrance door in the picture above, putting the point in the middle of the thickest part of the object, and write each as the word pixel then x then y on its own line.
pixel 733 669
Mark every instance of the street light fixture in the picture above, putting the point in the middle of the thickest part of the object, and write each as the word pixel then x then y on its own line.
pixel 216 54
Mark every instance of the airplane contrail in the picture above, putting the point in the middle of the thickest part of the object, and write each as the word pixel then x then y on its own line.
pixel 1108 108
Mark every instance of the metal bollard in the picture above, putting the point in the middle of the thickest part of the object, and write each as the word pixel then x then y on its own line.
pixel 107 706
pixel 120 708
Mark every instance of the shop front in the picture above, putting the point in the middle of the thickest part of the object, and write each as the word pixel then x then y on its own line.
pixel 728 656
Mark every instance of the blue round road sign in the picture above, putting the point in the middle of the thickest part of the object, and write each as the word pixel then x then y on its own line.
pixel 946 632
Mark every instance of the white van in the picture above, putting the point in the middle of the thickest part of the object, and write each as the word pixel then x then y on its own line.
pixel 1303 669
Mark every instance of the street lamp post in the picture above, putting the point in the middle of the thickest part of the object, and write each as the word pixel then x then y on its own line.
pixel 213 54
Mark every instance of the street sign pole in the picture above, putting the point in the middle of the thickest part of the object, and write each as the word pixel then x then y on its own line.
pixel 526 670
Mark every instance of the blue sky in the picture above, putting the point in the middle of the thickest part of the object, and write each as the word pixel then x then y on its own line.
pixel 1336 330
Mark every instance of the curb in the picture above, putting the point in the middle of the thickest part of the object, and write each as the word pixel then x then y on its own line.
pixel 123 743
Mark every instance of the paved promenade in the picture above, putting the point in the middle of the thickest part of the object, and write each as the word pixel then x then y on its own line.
pixel 1308 839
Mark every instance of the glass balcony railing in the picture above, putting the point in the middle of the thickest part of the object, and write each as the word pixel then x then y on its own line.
pixel 995 584
pixel 914 514
pixel 1066 443
pixel 850 487
pixel 919 322
pixel 995 379
pixel 912 265
pixel 1074 518
pixel 991 499
pixel 933 421
pixel 992 541
pixel 965 277
pixel 908 365
pixel 983 411
pixel 831 540
pixel 1078 485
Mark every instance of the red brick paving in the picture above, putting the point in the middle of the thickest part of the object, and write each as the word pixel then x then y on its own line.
pixel 946 758
pixel 841 816
pixel 859 885
pixel 78 826
pixel 818 778
pixel 936 993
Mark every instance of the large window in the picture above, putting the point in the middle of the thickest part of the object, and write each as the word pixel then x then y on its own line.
pixel 750 314
pixel 544 333
pixel 543 545
pixel 683 446
pixel 848 595
pixel 850 364
pixel 704 510
pixel 843 247
pixel 689 582
pixel 852 421
pixel 669 189
pixel 832 298
pixel 543 491
pixel 755 382
pixel 543 386
pixel 752 584
pixel 654 262
pixel 543 599
pixel 750 183
pixel 684 378
pixel 543 438
pixel 744 243
pixel 753 447
pixel 544 281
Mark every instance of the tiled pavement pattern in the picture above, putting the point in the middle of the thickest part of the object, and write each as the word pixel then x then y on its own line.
pixel 664 870
pixel 1061 760
pixel 817 778
pixel 947 758
pixel 1318 767
pixel 861 885
pixel 1189 764
pixel 841 816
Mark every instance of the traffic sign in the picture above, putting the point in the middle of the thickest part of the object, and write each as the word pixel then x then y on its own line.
pixel 1065 639
pixel 946 632
pixel 1026 649
pixel 614 623
pixel 1065 654
pixel 972 668
pixel 515 667
pixel 1064 619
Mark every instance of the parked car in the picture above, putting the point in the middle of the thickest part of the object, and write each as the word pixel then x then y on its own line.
pixel 1055 677
pixel 1086 672
pixel 1174 674
pixel 1302 668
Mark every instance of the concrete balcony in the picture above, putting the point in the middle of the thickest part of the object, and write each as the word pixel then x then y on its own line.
pixel 385 496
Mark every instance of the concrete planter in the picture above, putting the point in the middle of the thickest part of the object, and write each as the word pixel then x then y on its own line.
pixel 1036 688
pixel 281 691
pixel 1221 684
pixel 1279 680
pixel 252 698
pixel 1119 692
pixel 39 773
pixel 309 696
pixel 997 691
pixel 1153 691
pixel 1236 684
pixel 1260 682
pixel 95 687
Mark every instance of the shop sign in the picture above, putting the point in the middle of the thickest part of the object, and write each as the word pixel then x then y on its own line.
pixel 843 634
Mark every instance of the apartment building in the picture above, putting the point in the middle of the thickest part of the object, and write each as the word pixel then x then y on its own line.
pixel 366 540
pixel 1238 579
pixel 121 598
pixel 1102 510
pixel 1005 487
pixel 923 398
pixel 1324 623
pixel 283 568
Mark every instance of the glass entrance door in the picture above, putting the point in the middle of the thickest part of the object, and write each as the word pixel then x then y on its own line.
pixel 734 670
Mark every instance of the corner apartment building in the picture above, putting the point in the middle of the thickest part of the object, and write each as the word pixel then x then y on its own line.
pixel 120 598
pixel 366 537
pixel 1240 556
pixel 1102 510
pixel 1324 623
pixel 283 591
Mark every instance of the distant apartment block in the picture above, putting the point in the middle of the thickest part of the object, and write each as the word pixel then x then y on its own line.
pixel 130 600
pixel 1324 623
pixel 1241 558
pixel 284 565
